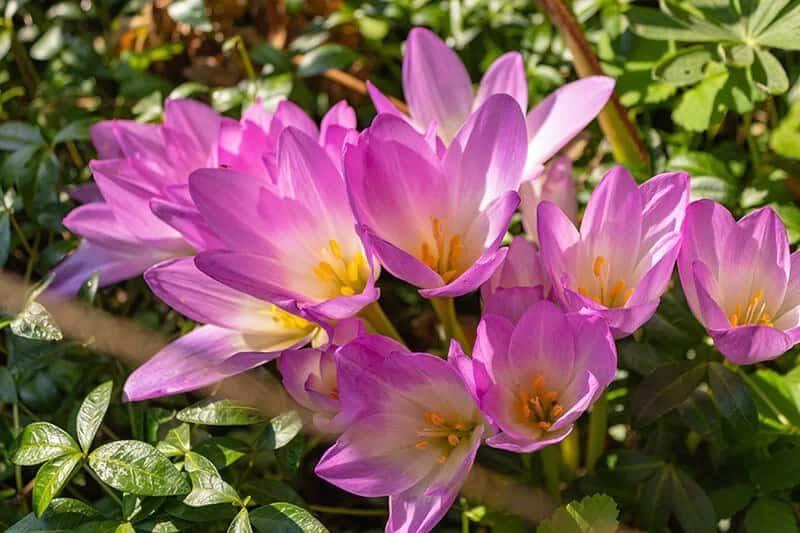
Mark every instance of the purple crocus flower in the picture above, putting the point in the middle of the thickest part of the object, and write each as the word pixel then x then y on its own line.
pixel 310 376
pixel 741 281
pixel 139 162
pixel 438 223
pixel 241 332
pixel 292 242
pixel 555 185
pixel 439 91
pixel 538 375
pixel 415 431
pixel 622 260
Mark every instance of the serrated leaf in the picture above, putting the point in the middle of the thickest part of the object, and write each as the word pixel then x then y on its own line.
pixel 728 501
pixel 74 131
pixel 768 73
pixel 592 514
pixel 664 389
pixel 138 468
pixel 91 414
pixel 220 413
pixel 64 514
pixel 51 479
pixel 18 135
pixel 42 441
pixel 177 441
pixel 285 518
pixel 324 58
pixel 281 430
pixel 769 514
pixel 35 322
pixel 685 67
pixel 733 398
pixel 241 523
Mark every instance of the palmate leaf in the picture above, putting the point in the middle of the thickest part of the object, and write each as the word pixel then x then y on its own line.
pixel 733 398
pixel 138 468
pixel 768 73
pixel 783 32
pixel 653 24
pixel 664 389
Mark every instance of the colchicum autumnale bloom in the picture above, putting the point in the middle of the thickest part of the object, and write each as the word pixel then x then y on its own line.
pixel 538 373
pixel 437 223
pixel 621 262
pixel 415 432
pixel 555 185
pixel 741 281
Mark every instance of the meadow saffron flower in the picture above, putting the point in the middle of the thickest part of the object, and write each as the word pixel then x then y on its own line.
pixel 310 375
pixel 437 223
pixel 292 242
pixel 414 434
pixel 555 185
pixel 138 162
pixel 541 373
pixel 741 281
pixel 242 332
pixel 621 261
pixel 438 91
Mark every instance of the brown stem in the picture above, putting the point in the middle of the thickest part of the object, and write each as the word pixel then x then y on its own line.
pixel 626 145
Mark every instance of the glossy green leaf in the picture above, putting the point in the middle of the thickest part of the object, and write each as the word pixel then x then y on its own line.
pixel 177 441
pixel 325 57
pixel 42 441
pixel 51 478
pixel 222 451
pixel 281 430
pixel 685 67
pixel 769 74
pixel 138 468
pixel 35 322
pixel 91 414
pixel 664 389
pixel 64 515
pixel 220 413
pixel 733 398
pixel 208 487
pixel 285 518
pixel 241 523
pixel 592 514
pixel 136 508
pixel 769 514
pixel 264 491
pixel 17 135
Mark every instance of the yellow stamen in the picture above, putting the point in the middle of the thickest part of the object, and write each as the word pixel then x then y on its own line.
pixel 550 396
pixel 627 296
pixel 286 319
pixel 597 267
pixel 335 248
pixel 449 276
pixel 556 411
pixel 616 290
pixel 544 425
pixel 347 290
pixel 537 407
pixel 437 419
pixel 421 444
pixel 453 439
pixel 538 382
pixel 324 271
pixel 442 459
pixel 583 292
pixel 352 271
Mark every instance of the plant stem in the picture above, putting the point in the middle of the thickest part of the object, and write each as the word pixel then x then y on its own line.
pixel 373 313
pixel 347 511
pixel 598 427
pixel 551 465
pixel 105 487
pixel 571 453
pixel 446 311
pixel 464 522
pixel 17 468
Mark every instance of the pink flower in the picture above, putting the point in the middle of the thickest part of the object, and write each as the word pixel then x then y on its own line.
pixel 538 374
pixel 741 281
pixel 438 223
pixel 415 431
pixel 555 185
pixel 620 263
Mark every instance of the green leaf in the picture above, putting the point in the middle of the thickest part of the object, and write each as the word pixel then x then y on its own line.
pixel 653 24
pixel 220 413
pixel 191 12
pixel 324 58
pixel 730 500
pixel 777 397
pixel 740 55
pixel 5 238
pixel 290 456
pixel 208 487
pixel 785 139
pixel 690 504
pixel 177 441
pixel 733 398
pixel 49 44
pixel 664 389
pixel 768 73
pixel 700 414
pixel 281 430
pixel 241 523
pixel 35 322
pixel 88 290
pixel 138 468
pixel 592 514
pixel 187 89
pixel 685 67
pixel 51 479
pixel 783 32
pixel 634 466
pixel 17 135
pixel 136 508
pixel 264 491
pixel 91 414
pixel 5 42
pixel 769 514
pixel 42 441
pixel 763 16
pixel 222 451
pixel 285 518
pixel 8 389
pixel 698 107
pixel 74 131
pixel 64 514
pixel 780 472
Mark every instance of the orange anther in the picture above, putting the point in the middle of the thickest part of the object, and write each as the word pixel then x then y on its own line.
pixel 421 444
pixel 453 439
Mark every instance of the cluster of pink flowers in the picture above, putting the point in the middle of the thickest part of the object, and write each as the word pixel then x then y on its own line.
pixel 272 232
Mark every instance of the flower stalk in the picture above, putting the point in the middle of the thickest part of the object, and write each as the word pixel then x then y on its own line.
pixel 598 427
pixel 377 319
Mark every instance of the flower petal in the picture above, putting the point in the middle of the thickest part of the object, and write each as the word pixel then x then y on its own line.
pixel 506 75
pixel 747 345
